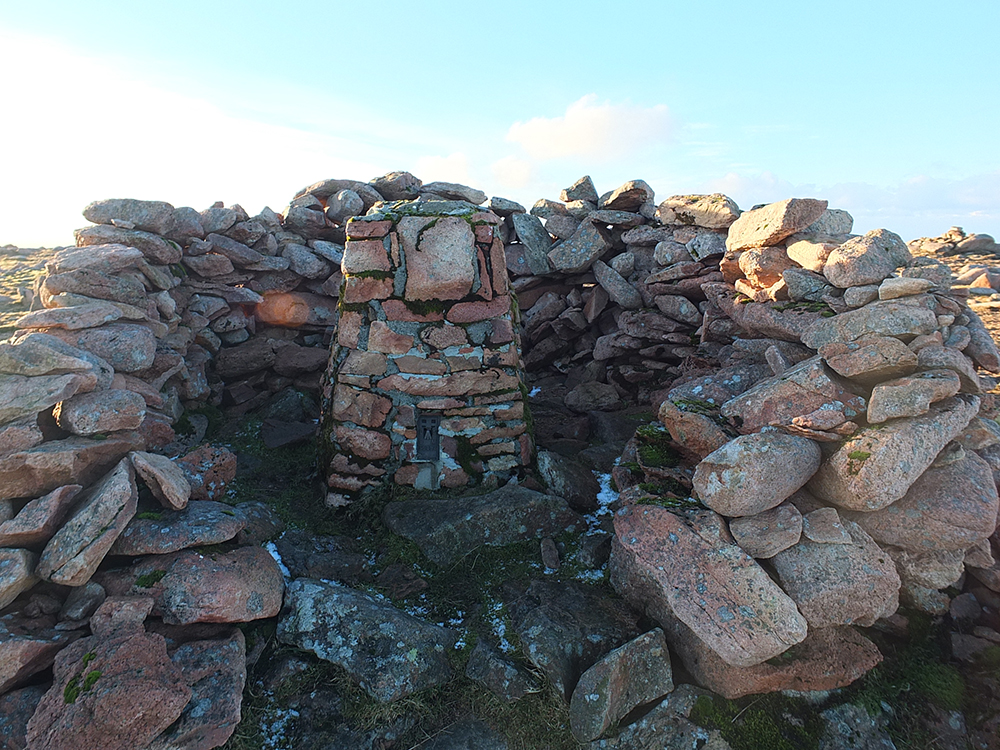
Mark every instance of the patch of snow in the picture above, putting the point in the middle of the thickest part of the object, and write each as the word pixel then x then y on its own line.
pixel 534 392
pixel 605 498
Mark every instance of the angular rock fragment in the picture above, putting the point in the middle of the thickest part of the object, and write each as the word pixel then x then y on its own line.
pixel 774 222
pixel 73 554
pixel 390 653
pixel 686 567
pixel 630 676
pixel 754 473
pixel 840 584
pixel 566 627
pixel 37 521
pixel 875 467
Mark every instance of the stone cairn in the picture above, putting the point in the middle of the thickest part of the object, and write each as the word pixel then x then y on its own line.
pixel 839 458
pixel 837 452
pixel 426 334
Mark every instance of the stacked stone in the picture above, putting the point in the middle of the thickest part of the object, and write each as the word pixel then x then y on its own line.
pixel 861 472
pixel 427 326
pixel 615 279
pixel 240 295
pixel 954 242
pixel 71 515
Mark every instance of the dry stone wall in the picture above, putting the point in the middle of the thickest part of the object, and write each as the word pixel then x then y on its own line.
pixel 426 343
pixel 827 445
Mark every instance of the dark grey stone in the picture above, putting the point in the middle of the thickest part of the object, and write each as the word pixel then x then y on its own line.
pixel 390 653
pixel 447 529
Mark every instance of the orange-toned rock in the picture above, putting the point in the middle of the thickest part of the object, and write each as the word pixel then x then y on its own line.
pixel 294 309
pixel 165 479
pixel 208 470
pixel 442 262
pixel 364 255
pixel 37 521
pixel 33 472
pixel 952 507
pixel 686 567
pixel 443 336
pixel 115 692
pixel 827 659
pixel 381 338
pixel 216 671
pixel 361 407
pixel 468 382
pixel 74 552
pixel 363 443
pixel 797 391
pixel 470 312
pixel 769 225
pixel 187 587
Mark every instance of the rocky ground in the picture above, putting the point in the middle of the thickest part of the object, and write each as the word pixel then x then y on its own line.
pixel 489 619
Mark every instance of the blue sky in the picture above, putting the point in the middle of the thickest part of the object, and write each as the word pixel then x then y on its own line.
pixel 889 110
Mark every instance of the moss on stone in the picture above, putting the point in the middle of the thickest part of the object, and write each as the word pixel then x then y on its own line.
pixel 148 580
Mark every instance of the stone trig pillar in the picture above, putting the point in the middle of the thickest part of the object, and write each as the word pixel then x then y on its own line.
pixel 424 383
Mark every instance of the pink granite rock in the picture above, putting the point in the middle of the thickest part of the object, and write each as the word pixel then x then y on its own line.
pixel 56 463
pixel 73 554
pixel 766 534
pixel 827 659
pixel 627 677
pixel 840 584
pixel 798 391
pixel 116 692
pixel 208 469
pixel 951 507
pixel 37 521
pixel 687 567
pixel 875 467
pixel 442 263
pixel 769 225
pixel 164 478
pixel 239 586
pixel 754 473
pixel 912 395
pixel 101 411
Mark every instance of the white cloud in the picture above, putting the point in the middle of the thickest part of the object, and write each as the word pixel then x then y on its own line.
pixel 512 173
pixel 451 168
pixel 77 129
pixel 598 130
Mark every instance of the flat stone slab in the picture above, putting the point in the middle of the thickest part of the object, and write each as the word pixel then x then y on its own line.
pixel 390 653
pixel 73 554
pixel 37 521
pixel 187 587
pixel 876 467
pixel 448 529
pixel 159 532
pixel 687 567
